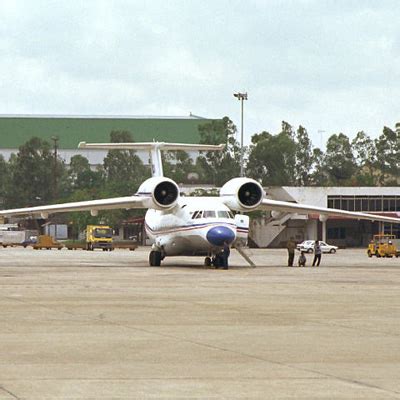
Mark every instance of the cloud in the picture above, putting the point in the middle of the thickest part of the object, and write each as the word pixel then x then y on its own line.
pixel 331 65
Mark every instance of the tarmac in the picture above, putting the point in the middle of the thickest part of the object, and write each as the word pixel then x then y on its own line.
pixel 104 325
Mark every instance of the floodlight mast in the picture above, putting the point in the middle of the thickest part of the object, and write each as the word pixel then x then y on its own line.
pixel 241 97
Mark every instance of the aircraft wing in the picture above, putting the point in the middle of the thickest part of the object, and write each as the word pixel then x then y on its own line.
pixel 288 207
pixel 91 205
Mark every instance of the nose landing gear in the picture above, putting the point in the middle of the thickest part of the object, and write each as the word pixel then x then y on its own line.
pixel 217 261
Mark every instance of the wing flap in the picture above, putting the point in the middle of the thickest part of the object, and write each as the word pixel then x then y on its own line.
pixel 285 206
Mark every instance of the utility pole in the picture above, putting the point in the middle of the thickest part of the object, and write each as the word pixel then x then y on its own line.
pixel 241 97
pixel 55 191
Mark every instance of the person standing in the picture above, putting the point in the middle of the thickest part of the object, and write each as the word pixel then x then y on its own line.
pixel 291 246
pixel 317 254
pixel 225 255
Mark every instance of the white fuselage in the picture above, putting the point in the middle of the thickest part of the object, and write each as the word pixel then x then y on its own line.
pixel 185 230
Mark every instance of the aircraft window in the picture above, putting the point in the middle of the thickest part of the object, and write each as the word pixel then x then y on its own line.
pixel 194 216
pixel 224 214
pixel 198 214
pixel 208 214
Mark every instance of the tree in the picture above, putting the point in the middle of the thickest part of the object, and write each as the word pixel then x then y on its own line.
pixel 365 157
pixel 272 157
pixel 388 156
pixel 32 174
pixel 304 157
pixel 82 177
pixel 219 167
pixel 339 160
pixel 4 181
pixel 124 170
pixel 319 177
pixel 179 166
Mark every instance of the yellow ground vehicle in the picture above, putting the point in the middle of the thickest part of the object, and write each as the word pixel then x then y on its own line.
pixel 47 242
pixel 383 246
pixel 99 237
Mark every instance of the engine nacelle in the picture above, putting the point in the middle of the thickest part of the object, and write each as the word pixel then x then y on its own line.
pixel 163 192
pixel 242 194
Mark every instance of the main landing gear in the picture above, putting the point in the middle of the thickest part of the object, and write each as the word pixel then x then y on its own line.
pixel 155 258
pixel 216 261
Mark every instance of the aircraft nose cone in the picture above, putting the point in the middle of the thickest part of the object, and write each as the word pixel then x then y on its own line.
pixel 219 234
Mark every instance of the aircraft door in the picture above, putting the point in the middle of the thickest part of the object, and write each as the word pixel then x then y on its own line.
pixel 242 229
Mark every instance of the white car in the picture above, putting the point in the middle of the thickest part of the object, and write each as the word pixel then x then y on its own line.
pixel 308 247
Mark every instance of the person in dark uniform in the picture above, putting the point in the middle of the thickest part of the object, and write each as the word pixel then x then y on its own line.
pixel 225 255
pixel 291 246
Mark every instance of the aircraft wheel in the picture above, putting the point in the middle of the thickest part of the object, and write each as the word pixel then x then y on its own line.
pixel 155 258
pixel 207 261
pixel 217 261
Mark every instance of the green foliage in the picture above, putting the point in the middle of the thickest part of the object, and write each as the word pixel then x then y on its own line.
pixel 218 167
pixel 388 156
pixel 339 160
pixel 35 176
pixel 123 169
pixel 304 157
pixel 272 158
pixel 364 151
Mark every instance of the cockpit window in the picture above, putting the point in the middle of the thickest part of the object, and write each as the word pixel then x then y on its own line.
pixel 224 214
pixel 208 214
pixel 197 215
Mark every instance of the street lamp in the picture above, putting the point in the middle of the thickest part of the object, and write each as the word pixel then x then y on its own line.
pixel 241 97
pixel 55 139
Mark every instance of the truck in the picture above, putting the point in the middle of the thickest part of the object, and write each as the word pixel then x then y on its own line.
pixel 99 237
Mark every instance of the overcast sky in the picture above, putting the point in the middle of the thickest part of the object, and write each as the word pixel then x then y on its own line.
pixel 331 66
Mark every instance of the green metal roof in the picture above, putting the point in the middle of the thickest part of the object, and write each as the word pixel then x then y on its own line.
pixel 15 130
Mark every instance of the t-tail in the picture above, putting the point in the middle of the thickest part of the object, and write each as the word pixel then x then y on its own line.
pixel 154 149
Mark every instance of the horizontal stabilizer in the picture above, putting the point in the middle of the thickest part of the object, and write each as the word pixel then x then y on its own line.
pixel 151 146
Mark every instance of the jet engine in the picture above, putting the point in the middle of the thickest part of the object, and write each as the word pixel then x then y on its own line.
pixel 242 194
pixel 161 193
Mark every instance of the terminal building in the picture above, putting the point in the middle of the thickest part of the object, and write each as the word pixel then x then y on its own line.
pixel 343 232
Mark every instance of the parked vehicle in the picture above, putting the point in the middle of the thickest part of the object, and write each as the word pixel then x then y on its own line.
pixel 308 247
pixel 99 237
pixel 383 246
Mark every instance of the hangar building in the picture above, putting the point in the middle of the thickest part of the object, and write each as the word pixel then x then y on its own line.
pixel 15 130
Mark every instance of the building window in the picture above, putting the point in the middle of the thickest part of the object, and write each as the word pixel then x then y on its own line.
pixel 336 233
pixel 365 203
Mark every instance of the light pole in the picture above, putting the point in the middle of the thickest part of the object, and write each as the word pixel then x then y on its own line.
pixel 241 97
pixel 55 140
pixel 55 191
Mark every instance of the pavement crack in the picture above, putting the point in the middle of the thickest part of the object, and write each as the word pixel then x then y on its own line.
pixel 10 393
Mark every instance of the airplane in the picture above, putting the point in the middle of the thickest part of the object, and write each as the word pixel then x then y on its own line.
pixel 186 225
